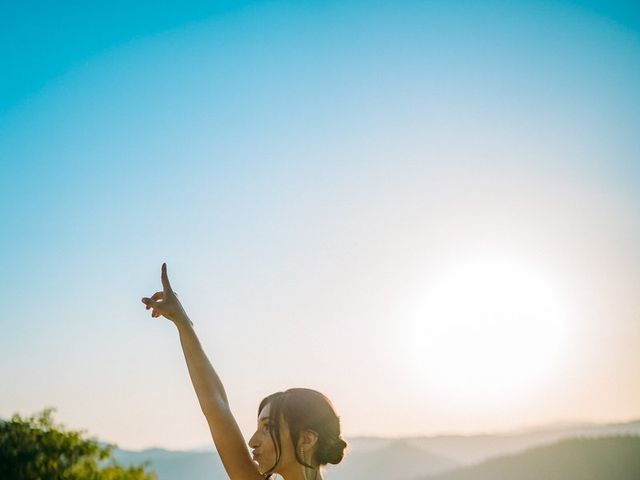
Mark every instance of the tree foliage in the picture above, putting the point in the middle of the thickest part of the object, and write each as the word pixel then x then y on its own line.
pixel 35 448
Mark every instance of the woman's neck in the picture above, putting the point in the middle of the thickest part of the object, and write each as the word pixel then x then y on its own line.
pixel 302 474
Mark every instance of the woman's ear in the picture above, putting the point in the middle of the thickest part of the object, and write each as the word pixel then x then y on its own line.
pixel 308 439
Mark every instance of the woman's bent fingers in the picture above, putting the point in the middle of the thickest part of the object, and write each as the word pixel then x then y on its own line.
pixel 150 303
pixel 154 306
pixel 155 296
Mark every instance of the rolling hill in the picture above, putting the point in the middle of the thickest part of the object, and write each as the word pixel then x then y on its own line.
pixel 610 458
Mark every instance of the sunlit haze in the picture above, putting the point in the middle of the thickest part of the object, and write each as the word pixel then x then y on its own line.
pixel 489 328
pixel 429 211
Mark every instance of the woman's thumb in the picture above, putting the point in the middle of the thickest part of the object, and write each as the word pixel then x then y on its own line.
pixel 150 303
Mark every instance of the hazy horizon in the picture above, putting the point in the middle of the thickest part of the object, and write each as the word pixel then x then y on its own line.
pixel 516 430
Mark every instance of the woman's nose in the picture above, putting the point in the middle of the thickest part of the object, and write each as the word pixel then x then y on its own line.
pixel 252 441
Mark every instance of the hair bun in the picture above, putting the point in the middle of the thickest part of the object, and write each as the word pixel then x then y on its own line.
pixel 333 452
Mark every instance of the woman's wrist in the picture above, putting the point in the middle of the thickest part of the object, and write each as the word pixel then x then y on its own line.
pixel 183 321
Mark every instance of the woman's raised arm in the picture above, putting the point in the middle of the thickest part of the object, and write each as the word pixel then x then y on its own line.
pixel 225 432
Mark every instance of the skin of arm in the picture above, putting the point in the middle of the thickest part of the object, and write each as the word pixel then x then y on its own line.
pixel 211 395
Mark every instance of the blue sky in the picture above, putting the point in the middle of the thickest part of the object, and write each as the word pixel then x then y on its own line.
pixel 306 168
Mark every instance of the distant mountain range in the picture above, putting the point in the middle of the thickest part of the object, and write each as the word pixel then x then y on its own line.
pixel 442 457
pixel 181 465
pixel 610 458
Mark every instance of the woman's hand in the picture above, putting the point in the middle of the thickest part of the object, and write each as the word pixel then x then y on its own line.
pixel 166 303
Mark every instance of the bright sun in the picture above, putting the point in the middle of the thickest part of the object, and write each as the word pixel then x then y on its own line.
pixel 489 328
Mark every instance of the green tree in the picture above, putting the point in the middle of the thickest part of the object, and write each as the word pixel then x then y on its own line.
pixel 35 448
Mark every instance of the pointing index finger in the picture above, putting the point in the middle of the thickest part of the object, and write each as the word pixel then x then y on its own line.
pixel 165 279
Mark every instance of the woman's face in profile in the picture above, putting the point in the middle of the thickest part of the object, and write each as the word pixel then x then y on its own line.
pixel 263 449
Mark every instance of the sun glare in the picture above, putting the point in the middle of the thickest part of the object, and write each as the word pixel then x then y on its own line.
pixel 488 329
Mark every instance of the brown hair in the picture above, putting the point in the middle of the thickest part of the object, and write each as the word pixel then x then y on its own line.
pixel 305 409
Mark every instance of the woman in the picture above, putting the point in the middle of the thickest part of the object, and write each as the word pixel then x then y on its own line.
pixel 298 431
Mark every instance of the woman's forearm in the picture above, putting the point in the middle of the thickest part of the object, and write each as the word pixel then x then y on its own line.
pixel 213 400
pixel 209 389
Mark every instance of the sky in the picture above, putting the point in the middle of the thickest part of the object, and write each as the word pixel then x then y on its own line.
pixel 427 210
